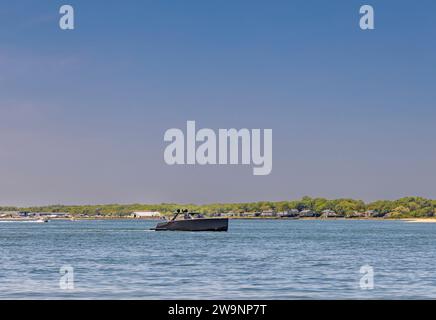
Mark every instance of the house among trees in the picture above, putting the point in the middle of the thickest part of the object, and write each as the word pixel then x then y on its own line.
pixel 52 214
pixel 357 214
pixel 247 214
pixel 328 214
pixel 229 214
pixel 308 214
pixel 292 213
pixel 373 214
pixel 269 213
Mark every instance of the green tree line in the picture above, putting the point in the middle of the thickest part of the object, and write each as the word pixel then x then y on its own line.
pixel 400 208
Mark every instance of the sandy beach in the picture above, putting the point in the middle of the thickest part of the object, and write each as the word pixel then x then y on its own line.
pixel 421 220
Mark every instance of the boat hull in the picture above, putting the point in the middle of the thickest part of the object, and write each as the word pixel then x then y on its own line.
pixel 219 224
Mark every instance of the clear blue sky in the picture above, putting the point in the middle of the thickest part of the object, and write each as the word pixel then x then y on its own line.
pixel 83 112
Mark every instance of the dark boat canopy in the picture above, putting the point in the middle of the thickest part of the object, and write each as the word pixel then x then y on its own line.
pixel 184 211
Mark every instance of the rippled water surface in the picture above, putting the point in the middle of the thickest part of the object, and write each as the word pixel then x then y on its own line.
pixel 265 259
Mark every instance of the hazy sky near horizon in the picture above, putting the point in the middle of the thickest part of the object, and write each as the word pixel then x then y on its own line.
pixel 83 112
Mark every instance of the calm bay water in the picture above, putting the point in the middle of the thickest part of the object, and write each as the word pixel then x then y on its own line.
pixel 265 259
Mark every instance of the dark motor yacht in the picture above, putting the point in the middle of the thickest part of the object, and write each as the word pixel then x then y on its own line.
pixel 193 222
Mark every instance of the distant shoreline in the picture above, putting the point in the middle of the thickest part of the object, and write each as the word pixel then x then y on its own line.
pixel 412 208
pixel 409 220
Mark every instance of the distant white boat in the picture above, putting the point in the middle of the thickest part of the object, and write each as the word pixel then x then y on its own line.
pixel 42 221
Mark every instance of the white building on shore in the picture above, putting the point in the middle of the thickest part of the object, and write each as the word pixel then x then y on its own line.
pixel 146 214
